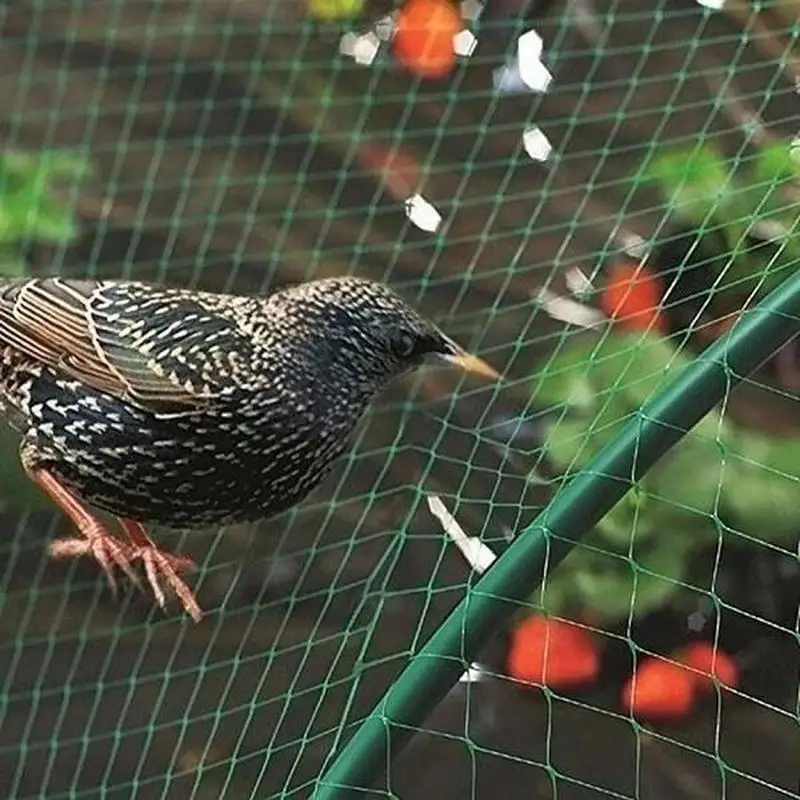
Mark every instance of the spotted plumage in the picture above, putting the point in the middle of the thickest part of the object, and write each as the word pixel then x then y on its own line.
pixel 188 409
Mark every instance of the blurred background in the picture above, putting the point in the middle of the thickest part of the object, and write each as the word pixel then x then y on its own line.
pixel 585 192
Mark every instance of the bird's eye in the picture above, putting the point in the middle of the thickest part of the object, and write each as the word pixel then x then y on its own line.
pixel 404 344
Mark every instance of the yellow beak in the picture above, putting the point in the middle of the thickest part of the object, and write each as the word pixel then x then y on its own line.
pixel 472 364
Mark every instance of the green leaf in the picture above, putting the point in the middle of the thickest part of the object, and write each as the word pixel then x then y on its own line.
pixel 29 205
pixel 627 520
pixel 777 163
pixel 11 267
pixel 9 223
pixel 53 166
pixel 622 372
pixel 761 487
pixel 611 584
pixel 566 442
pixel 564 380
pixel 554 596
pixel 689 476
pixel 612 375
pixel 571 442
pixel 696 180
pixel 614 587
pixel 50 224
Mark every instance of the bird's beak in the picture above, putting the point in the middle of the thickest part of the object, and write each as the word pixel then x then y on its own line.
pixel 460 358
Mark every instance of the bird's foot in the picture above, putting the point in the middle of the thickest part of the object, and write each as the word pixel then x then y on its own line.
pixel 160 566
pixel 107 550
pixel 96 541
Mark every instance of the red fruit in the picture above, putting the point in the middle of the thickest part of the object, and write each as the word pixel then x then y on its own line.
pixel 711 665
pixel 632 297
pixel 659 690
pixel 551 653
pixel 423 37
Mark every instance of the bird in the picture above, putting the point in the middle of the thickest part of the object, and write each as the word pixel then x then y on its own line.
pixel 187 409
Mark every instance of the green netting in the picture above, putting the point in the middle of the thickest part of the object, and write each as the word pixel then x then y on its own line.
pixel 240 146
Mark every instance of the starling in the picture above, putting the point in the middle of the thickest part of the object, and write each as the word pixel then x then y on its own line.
pixel 189 409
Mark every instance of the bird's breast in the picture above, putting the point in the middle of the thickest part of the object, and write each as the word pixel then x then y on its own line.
pixel 238 462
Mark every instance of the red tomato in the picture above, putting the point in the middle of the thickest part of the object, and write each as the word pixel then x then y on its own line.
pixel 632 297
pixel 659 690
pixel 551 653
pixel 423 37
pixel 712 665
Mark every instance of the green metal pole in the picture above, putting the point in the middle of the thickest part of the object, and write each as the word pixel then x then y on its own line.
pixel 548 539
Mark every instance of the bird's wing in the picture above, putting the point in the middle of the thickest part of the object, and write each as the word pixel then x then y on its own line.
pixel 165 350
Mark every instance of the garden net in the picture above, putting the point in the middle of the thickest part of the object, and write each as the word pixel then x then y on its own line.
pixel 569 162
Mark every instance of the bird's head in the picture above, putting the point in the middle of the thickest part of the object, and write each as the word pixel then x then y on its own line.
pixel 367 326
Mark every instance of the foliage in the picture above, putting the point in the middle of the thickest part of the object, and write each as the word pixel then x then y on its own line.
pixel 753 208
pixel 637 555
pixel 34 202
pixel 761 486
